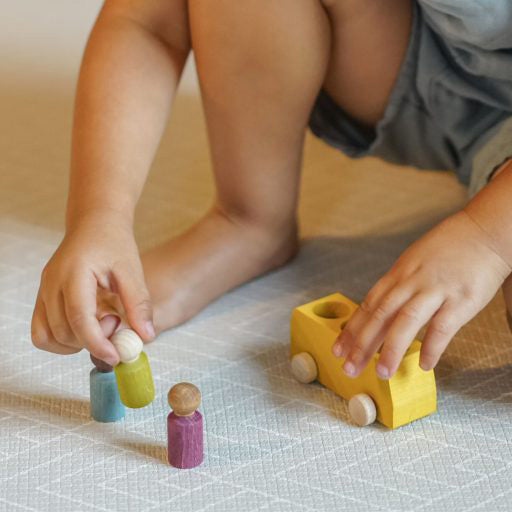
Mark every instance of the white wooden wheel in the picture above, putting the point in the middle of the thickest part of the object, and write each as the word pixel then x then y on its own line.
pixel 362 409
pixel 304 368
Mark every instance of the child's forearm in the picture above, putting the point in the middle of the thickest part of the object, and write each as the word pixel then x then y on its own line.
pixel 491 209
pixel 127 81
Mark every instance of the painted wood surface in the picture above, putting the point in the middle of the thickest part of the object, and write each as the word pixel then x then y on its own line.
pixel 135 382
pixel 185 440
pixel 106 406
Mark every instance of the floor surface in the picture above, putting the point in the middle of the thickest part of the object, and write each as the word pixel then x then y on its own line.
pixel 270 443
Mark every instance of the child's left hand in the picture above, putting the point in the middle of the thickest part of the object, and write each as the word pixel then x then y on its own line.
pixel 446 277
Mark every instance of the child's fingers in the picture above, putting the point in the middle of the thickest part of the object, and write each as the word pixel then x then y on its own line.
pixel 109 303
pixel 360 317
pixel 136 301
pixel 57 319
pixel 363 343
pixel 41 333
pixel 442 328
pixel 409 320
pixel 108 324
pixel 358 355
pixel 80 306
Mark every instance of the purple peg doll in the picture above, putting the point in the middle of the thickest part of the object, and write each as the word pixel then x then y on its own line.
pixel 184 427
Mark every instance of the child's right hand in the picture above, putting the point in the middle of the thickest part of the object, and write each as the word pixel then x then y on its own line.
pixel 97 254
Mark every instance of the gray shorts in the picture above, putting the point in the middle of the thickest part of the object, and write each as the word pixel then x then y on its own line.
pixel 451 104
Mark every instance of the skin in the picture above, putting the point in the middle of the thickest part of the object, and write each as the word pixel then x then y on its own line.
pixel 256 137
pixel 110 159
pixel 444 279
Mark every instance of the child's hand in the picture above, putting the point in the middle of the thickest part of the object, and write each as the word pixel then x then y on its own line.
pixel 446 277
pixel 100 254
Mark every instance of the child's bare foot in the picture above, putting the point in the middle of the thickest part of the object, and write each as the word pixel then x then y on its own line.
pixel 186 273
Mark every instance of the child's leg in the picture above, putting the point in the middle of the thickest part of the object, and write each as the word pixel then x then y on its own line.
pixel 261 64
pixel 370 39
pixel 507 285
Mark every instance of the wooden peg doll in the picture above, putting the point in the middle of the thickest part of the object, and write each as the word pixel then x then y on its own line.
pixel 184 427
pixel 106 406
pixel 133 374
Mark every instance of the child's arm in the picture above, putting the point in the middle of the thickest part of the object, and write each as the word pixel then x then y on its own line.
pixel 130 70
pixel 491 209
pixel 129 73
pixel 444 278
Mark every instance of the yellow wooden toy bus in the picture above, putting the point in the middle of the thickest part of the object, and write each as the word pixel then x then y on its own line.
pixel 410 394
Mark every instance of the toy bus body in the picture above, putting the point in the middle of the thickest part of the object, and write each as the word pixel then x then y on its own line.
pixel 411 392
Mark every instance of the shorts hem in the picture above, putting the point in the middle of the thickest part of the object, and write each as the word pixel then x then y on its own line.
pixel 329 122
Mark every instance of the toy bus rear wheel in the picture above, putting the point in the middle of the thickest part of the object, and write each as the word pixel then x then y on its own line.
pixel 304 367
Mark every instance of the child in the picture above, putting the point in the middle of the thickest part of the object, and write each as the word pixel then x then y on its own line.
pixel 424 82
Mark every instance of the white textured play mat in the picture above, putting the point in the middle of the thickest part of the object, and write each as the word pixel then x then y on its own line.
pixel 271 444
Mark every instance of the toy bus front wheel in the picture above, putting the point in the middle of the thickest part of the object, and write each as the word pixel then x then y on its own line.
pixel 362 409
